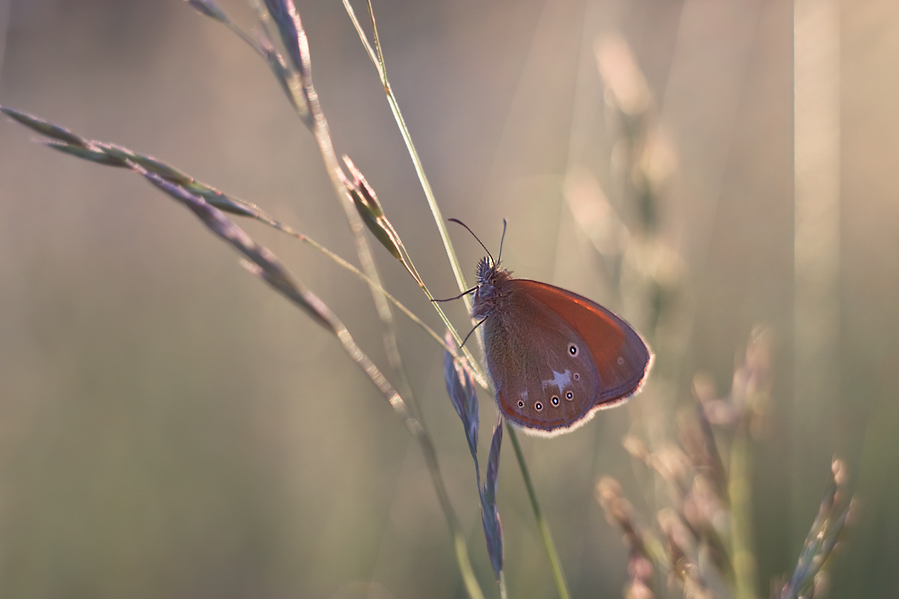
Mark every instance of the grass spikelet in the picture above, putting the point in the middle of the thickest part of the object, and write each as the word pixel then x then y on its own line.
pixel 461 389
pixel 366 202
pixel 293 37
pixel 493 530
pixel 44 127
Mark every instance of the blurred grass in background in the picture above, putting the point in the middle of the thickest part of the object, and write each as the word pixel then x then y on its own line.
pixel 169 427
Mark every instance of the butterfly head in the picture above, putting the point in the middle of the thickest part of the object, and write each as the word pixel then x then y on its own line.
pixel 491 288
pixel 486 271
pixel 491 278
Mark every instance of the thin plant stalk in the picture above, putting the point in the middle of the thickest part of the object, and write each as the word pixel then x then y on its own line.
pixel 554 561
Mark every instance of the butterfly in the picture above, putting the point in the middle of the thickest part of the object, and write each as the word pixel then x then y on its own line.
pixel 555 357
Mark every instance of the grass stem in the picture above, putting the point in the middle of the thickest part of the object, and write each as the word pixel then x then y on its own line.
pixel 554 561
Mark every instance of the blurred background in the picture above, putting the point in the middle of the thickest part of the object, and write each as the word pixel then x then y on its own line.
pixel 169 427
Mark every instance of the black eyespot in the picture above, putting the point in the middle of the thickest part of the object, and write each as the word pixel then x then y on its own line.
pixel 572 349
pixel 569 396
pixel 555 400
pixel 577 376
pixel 538 406
pixel 520 404
pixel 620 361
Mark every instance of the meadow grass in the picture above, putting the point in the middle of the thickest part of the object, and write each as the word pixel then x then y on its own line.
pixel 700 545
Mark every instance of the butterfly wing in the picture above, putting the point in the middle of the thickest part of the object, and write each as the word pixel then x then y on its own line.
pixel 556 357
pixel 620 354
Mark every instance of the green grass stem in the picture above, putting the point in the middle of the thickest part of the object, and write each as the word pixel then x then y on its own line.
pixel 554 561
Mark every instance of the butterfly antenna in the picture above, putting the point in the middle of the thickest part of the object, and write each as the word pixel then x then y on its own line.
pixel 501 239
pixel 459 222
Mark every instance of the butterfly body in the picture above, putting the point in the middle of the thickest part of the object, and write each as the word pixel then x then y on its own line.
pixel 555 357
